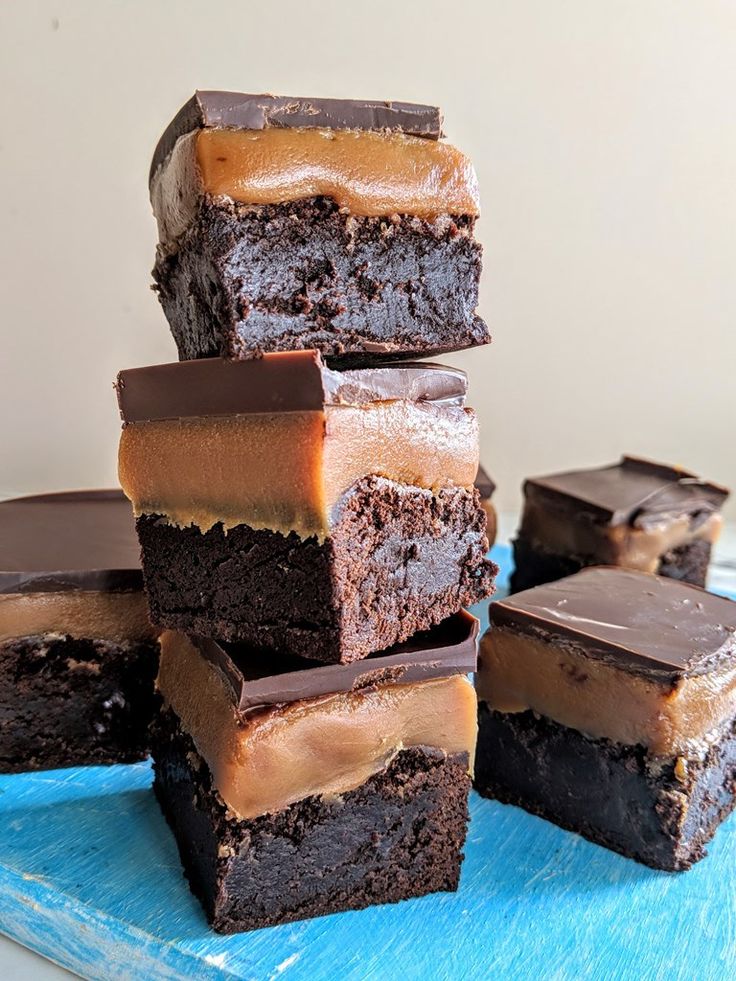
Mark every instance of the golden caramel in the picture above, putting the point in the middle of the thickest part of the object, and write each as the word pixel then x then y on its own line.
pixel 117 617
pixel 371 174
pixel 286 471
pixel 517 672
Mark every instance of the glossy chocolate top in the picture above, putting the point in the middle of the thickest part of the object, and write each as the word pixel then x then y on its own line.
pixel 485 484
pixel 72 540
pixel 290 381
pixel 257 680
pixel 639 622
pixel 634 491
pixel 238 110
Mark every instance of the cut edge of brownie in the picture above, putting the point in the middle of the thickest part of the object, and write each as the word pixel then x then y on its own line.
pixel 660 811
pixel 246 280
pixel 398 836
pixel 69 701
pixel 400 559
pixel 535 565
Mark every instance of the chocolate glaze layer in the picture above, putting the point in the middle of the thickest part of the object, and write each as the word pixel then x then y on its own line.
pixel 291 381
pixel 238 110
pixel 257 679
pixel 71 540
pixel 634 491
pixel 636 621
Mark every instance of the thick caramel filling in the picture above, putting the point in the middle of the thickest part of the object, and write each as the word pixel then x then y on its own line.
pixel 366 173
pixel 287 471
pixel 117 617
pixel 517 672
pixel 623 545
pixel 326 745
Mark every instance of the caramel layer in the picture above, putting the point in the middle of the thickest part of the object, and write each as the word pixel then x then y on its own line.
pixel 117 617
pixel 328 745
pixel 366 173
pixel 624 545
pixel 517 672
pixel 286 471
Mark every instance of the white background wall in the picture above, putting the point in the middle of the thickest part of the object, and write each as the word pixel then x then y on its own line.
pixel 604 135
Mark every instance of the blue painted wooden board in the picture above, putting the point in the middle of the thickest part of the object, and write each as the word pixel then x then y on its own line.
pixel 90 877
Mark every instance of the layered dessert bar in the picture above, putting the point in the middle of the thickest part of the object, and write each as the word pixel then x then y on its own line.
pixel 295 790
pixel 77 652
pixel 607 704
pixel 303 510
pixel 636 513
pixel 486 487
pixel 293 223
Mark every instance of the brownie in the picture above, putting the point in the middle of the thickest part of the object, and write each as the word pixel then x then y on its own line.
pixel 636 514
pixel 283 277
pixel 653 810
pixel 398 836
pixel 605 706
pixel 399 560
pixel 67 701
pixel 78 654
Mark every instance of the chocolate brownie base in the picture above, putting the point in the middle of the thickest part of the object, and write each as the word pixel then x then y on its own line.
pixel 659 811
pixel 400 559
pixel 397 836
pixel 249 280
pixel 535 566
pixel 74 702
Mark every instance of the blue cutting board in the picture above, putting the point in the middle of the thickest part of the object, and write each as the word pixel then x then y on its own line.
pixel 90 877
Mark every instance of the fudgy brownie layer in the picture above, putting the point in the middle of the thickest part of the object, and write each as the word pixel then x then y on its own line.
pixel 71 702
pixel 397 836
pixel 535 566
pixel 659 811
pixel 400 559
pixel 248 280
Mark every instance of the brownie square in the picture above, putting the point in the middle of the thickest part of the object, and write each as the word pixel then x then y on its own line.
pixel 307 511
pixel 78 655
pixel 350 232
pixel 636 514
pixel 606 705
pixel 296 790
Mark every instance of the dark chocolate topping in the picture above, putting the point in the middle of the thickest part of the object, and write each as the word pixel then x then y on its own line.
pixel 291 381
pixel 485 485
pixel 237 110
pixel 257 680
pixel 639 622
pixel 634 491
pixel 72 540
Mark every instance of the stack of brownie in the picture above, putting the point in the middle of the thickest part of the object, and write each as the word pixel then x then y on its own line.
pixel 305 502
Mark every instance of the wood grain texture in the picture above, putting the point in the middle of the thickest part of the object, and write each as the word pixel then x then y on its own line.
pixel 90 877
